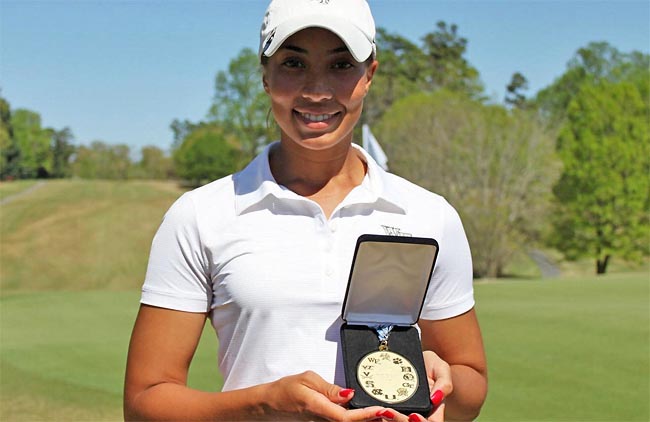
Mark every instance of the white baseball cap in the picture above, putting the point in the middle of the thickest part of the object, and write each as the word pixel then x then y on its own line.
pixel 351 20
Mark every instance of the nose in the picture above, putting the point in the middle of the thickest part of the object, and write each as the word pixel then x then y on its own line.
pixel 317 88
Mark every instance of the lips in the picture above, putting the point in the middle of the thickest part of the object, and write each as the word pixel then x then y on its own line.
pixel 316 120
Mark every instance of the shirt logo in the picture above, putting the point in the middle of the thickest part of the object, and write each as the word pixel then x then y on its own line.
pixel 395 231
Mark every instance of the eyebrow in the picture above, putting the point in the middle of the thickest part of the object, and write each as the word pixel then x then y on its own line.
pixel 342 49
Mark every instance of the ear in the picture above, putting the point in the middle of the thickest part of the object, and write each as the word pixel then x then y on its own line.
pixel 370 73
pixel 265 84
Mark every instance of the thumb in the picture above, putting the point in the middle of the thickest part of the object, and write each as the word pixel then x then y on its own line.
pixel 340 395
pixel 333 392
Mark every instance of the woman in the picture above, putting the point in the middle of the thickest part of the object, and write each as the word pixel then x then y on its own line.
pixel 265 253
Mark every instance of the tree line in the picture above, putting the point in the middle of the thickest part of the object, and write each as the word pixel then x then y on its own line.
pixel 28 151
pixel 568 168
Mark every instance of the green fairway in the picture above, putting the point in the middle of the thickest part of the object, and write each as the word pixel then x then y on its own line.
pixel 566 350
pixel 73 256
pixel 64 354
pixel 572 349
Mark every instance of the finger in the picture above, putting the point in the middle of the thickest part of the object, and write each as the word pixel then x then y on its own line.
pixel 438 415
pixel 439 372
pixel 343 395
pixel 334 393
pixel 415 417
pixel 373 413
pixel 391 415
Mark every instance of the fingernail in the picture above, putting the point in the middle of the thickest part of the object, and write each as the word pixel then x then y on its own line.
pixel 346 392
pixel 386 414
pixel 437 397
pixel 414 417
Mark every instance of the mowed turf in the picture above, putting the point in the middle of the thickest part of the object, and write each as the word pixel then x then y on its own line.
pixel 64 355
pixel 73 254
pixel 563 350
pixel 568 349
pixel 74 234
pixel 11 188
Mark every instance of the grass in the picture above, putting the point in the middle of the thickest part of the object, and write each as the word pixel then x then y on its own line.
pixel 14 187
pixel 573 349
pixel 72 259
pixel 564 350
pixel 64 354
pixel 81 235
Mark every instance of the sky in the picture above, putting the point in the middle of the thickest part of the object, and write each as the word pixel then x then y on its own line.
pixel 121 71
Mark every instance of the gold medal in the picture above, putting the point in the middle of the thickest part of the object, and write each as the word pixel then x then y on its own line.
pixel 385 375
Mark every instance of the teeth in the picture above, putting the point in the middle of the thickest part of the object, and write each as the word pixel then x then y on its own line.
pixel 316 117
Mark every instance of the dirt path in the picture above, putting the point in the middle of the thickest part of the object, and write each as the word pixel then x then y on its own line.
pixel 545 265
pixel 20 194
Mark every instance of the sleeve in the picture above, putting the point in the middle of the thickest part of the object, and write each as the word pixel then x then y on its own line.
pixel 177 274
pixel 451 290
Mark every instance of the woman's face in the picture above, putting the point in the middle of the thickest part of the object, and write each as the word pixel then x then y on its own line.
pixel 316 88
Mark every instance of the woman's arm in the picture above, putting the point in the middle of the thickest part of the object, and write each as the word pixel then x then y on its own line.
pixel 458 341
pixel 161 349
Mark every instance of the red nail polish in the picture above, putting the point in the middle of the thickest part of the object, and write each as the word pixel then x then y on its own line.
pixel 414 417
pixel 437 397
pixel 386 414
pixel 346 392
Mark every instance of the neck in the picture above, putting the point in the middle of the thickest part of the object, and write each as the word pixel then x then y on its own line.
pixel 308 172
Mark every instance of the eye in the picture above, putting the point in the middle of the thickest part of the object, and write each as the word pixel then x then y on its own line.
pixel 293 62
pixel 343 64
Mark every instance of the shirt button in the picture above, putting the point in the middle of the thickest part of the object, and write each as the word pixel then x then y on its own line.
pixel 333 225
pixel 329 271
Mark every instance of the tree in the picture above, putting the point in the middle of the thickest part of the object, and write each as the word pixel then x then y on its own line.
pixel 593 130
pixel 406 68
pixel 604 192
pixel 496 166
pixel 181 129
pixel 598 61
pixel 514 95
pixel 206 154
pixel 401 73
pixel 9 153
pixel 62 151
pixel 240 105
pixel 33 144
pixel 154 164
pixel 102 161
pixel 448 69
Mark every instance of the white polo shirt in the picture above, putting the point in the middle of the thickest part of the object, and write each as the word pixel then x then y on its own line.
pixel 272 270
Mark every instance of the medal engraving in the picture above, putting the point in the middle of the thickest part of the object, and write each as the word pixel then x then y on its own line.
pixel 387 376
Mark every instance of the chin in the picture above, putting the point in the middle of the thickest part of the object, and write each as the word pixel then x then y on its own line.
pixel 323 142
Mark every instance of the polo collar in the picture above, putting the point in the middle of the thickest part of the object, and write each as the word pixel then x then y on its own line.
pixel 256 182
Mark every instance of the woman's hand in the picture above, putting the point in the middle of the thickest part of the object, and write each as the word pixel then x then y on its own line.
pixel 161 349
pixel 307 396
pixel 440 384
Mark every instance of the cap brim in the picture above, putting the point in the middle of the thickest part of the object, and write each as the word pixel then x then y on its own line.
pixel 359 45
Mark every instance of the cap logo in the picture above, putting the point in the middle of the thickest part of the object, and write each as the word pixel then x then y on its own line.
pixel 268 42
pixel 323 1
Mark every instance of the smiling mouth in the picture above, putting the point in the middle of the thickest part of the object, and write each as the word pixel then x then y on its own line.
pixel 316 118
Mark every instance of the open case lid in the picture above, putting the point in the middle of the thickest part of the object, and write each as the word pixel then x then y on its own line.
pixel 389 279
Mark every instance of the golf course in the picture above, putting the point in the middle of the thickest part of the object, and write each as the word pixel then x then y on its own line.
pixel 73 254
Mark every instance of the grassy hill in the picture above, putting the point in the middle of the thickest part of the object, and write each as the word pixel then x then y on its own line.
pixel 73 255
pixel 74 234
